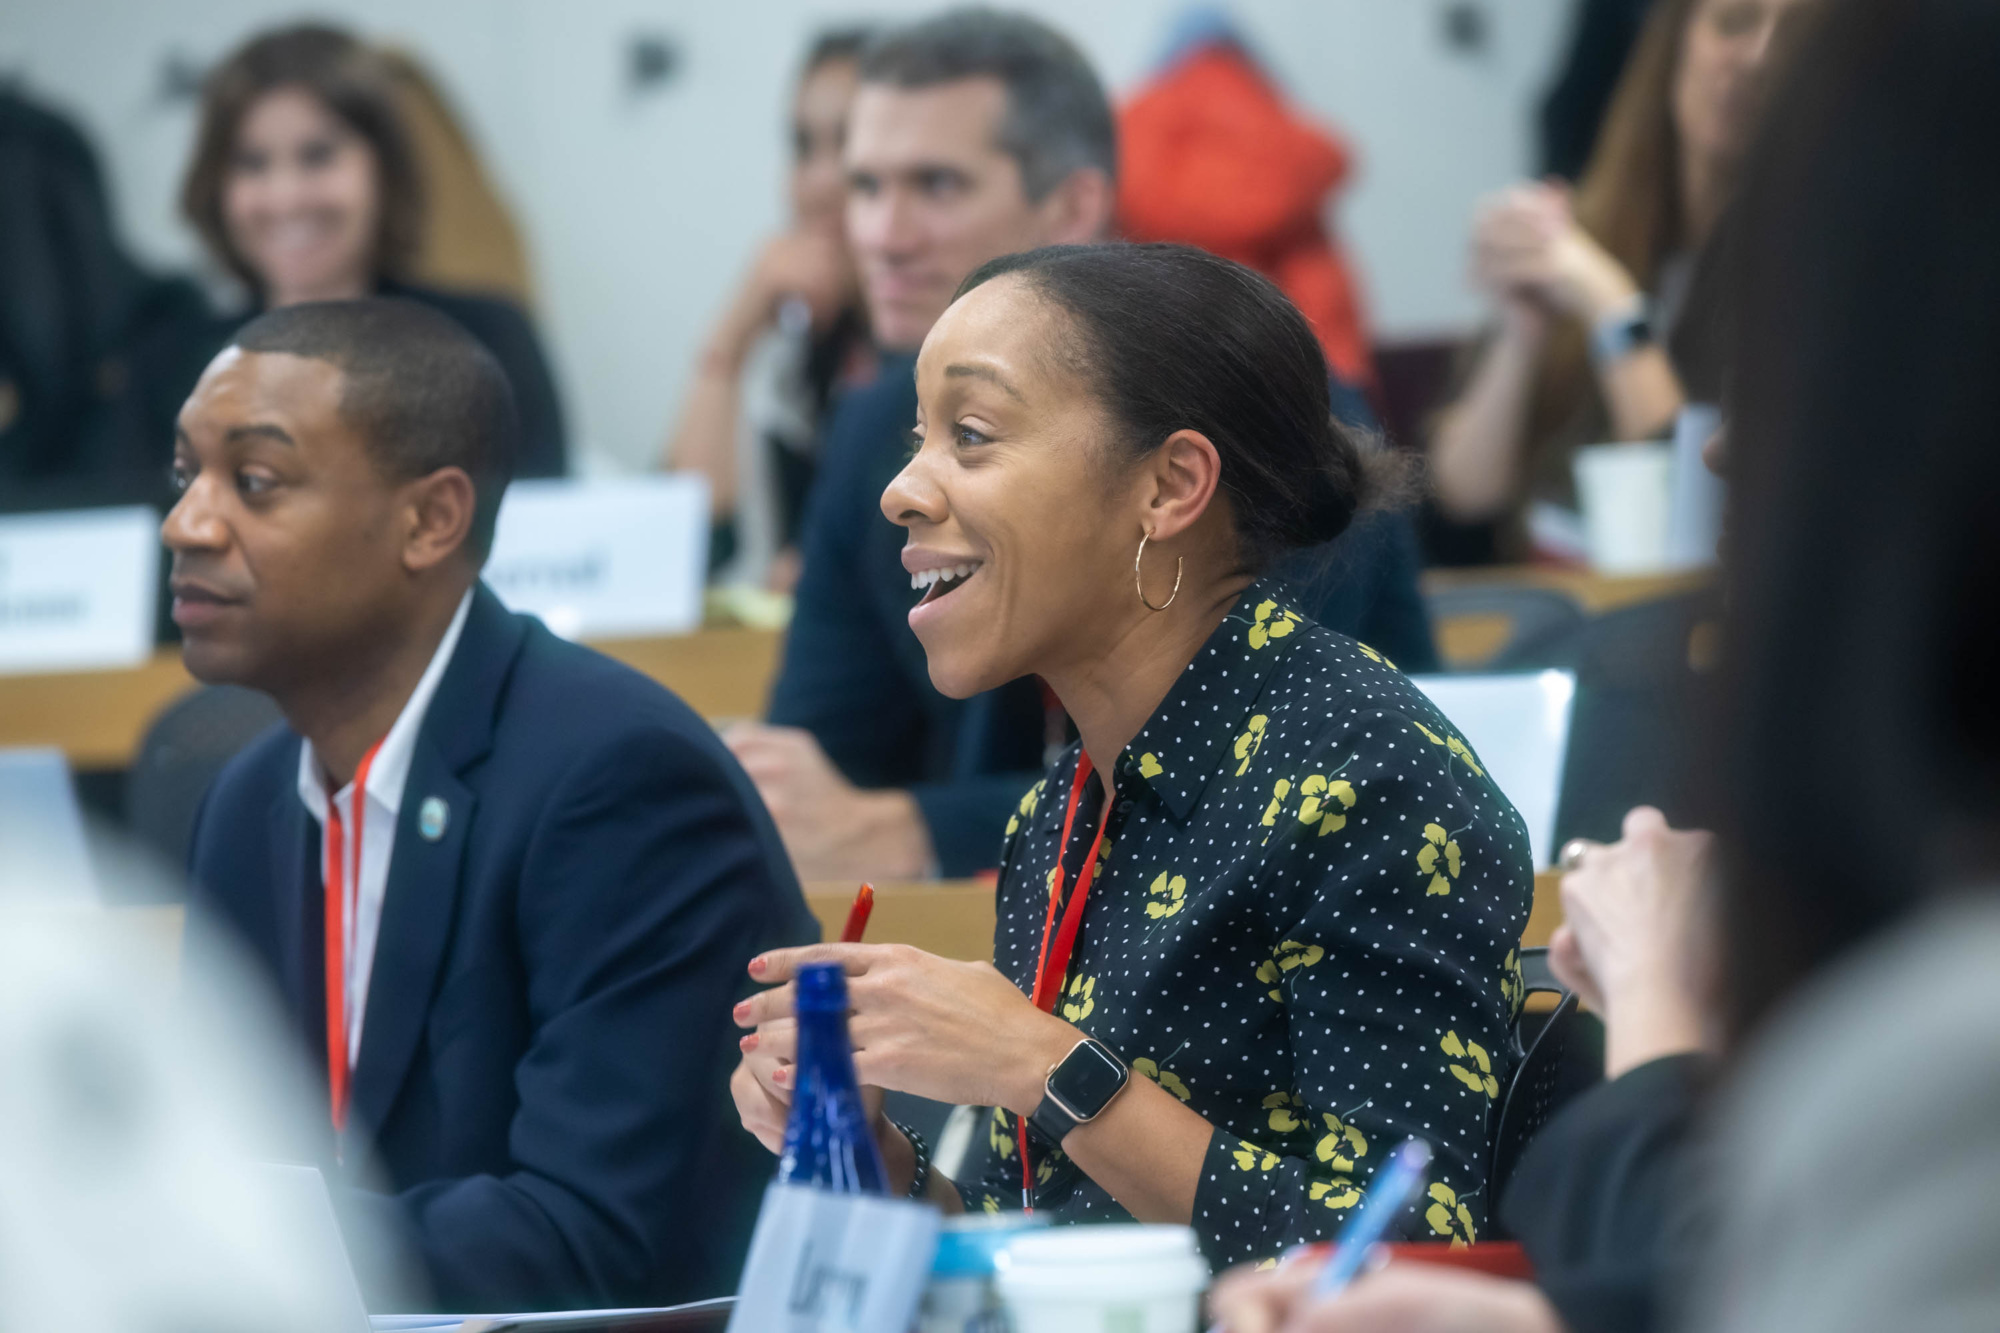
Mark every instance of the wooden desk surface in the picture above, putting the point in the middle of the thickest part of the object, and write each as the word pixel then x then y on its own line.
pixel 1595 593
pixel 98 717
pixel 953 918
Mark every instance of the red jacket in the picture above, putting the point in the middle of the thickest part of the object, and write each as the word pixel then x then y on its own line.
pixel 1210 155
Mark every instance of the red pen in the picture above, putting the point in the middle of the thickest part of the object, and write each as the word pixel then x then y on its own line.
pixel 857 916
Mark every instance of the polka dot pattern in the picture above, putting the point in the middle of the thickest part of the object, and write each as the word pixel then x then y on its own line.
pixel 1302 925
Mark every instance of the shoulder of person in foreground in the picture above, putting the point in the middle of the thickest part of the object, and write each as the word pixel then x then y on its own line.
pixel 1859 1153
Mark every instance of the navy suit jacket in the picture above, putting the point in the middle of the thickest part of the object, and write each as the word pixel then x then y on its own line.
pixel 855 676
pixel 548 1042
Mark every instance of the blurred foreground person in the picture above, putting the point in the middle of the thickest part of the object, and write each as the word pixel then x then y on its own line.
pixel 534 873
pixel 755 435
pixel 143 1105
pixel 1588 289
pixel 304 186
pixel 1861 956
pixel 975 134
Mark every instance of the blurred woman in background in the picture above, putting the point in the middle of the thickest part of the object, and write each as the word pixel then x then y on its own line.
pixel 1587 288
pixel 304 186
pixel 754 432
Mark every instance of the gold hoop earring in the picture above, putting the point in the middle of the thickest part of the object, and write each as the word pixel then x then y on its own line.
pixel 1139 581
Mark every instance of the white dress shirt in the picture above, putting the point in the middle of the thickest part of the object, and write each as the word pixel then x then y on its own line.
pixel 386 778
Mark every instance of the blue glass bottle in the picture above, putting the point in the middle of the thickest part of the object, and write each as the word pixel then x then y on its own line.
pixel 828 1141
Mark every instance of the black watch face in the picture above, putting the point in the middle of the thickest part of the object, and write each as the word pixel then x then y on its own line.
pixel 1087 1079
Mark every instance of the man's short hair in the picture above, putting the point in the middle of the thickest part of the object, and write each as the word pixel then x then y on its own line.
pixel 421 391
pixel 1058 119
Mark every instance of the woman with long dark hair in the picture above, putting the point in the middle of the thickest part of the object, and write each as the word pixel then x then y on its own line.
pixel 1258 926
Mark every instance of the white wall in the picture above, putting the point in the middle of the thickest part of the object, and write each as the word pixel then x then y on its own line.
pixel 639 210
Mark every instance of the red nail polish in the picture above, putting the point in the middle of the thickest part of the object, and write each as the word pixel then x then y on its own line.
pixel 777 1076
pixel 757 966
pixel 748 1043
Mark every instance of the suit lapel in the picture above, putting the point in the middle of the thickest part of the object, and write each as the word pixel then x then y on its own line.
pixel 299 928
pixel 417 912
pixel 426 867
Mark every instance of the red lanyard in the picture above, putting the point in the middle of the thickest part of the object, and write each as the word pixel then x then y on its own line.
pixel 1053 964
pixel 342 887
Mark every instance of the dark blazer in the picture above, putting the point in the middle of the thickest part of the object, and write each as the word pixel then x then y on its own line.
pixel 854 674
pixel 548 1040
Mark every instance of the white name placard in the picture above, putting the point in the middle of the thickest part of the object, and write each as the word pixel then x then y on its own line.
pixel 78 589
pixel 835 1263
pixel 604 559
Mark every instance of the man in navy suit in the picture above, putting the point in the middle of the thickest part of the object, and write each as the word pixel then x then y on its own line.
pixel 507 887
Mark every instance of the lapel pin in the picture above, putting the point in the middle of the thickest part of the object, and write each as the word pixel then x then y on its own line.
pixel 432 816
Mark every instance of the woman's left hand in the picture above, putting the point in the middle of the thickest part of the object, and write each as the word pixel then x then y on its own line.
pixel 935 1027
pixel 1402 1298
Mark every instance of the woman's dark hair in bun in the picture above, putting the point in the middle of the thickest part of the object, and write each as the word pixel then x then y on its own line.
pixel 1174 338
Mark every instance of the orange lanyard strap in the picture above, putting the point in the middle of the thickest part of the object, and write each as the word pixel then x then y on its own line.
pixel 1053 964
pixel 342 891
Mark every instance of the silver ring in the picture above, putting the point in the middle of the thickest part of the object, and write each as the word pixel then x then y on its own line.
pixel 1572 853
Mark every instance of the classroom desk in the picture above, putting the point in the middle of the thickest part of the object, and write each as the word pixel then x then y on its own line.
pixel 952 918
pixel 97 718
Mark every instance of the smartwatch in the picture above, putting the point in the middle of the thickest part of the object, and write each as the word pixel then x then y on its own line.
pixel 1079 1087
pixel 1622 333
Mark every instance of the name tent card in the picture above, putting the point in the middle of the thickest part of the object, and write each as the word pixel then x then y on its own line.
pixel 604 559
pixel 822 1262
pixel 78 589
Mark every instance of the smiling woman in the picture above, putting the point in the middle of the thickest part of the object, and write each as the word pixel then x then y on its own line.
pixel 1270 877
pixel 305 187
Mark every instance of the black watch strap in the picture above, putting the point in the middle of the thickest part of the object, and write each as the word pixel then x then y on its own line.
pixel 1078 1089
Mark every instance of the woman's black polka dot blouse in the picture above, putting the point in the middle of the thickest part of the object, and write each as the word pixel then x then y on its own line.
pixel 1303 925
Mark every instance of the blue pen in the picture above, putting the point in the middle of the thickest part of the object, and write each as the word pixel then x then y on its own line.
pixel 1395 1185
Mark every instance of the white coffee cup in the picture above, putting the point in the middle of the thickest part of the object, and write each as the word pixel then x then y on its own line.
pixel 1104 1279
pixel 1624 491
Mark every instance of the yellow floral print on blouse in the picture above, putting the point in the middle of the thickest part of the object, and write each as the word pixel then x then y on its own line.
pixel 1283 959
pixel 1513 986
pixel 1449 1217
pixel 1284 1109
pixel 1252 1158
pixel 1300 967
pixel 1026 809
pixel 1477 1071
pixel 1081 999
pixel 1169 894
pixel 1251 741
pixel 1341 1144
pixel 1438 845
pixel 1166 1078
pixel 1272 622
pixel 1456 747
pixel 1374 656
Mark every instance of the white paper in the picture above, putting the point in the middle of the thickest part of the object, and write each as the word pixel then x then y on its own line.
pixel 1518 725
pixel 78 589
pixel 604 559
pixel 835 1263
pixel 1694 511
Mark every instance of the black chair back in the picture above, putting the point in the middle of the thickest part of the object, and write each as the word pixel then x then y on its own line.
pixel 1563 1059
pixel 183 751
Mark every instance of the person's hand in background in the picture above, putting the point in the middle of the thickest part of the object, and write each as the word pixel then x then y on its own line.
pixel 1637 942
pixel 1528 248
pixel 831 828
pixel 1402 1298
